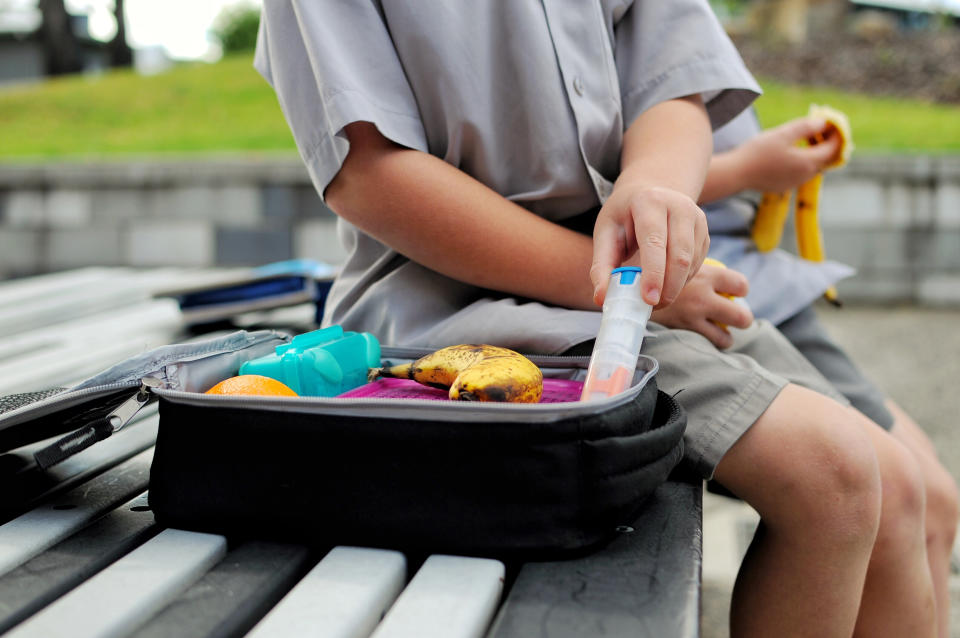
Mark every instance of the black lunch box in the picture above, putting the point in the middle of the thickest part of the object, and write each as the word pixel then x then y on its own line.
pixel 414 475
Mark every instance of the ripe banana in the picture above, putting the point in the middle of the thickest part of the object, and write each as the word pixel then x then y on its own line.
pixel 473 373
pixel 809 236
pixel 768 223
pixel 772 212
pixel 710 261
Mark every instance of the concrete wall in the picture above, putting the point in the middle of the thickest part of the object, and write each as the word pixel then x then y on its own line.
pixel 21 60
pixel 229 212
pixel 897 219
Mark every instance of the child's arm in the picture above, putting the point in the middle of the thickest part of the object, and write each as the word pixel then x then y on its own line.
pixel 652 217
pixel 440 217
pixel 665 156
pixel 771 161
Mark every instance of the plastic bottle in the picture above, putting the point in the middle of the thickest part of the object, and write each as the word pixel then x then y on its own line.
pixel 322 363
pixel 622 326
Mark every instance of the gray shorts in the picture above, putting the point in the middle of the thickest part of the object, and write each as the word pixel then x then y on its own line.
pixel 808 335
pixel 725 391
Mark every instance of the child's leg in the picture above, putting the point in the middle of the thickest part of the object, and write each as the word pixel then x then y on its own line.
pixel 899 571
pixel 942 508
pixel 805 331
pixel 833 554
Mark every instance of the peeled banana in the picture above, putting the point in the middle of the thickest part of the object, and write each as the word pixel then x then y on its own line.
pixel 809 236
pixel 473 373
pixel 772 212
pixel 710 261
pixel 771 217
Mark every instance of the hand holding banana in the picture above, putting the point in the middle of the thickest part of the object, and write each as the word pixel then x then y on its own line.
pixel 772 212
pixel 473 373
pixel 704 306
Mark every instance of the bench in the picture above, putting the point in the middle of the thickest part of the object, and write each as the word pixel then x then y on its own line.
pixel 81 555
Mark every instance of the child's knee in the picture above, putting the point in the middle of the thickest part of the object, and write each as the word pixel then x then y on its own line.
pixel 943 504
pixel 841 487
pixel 809 470
pixel 904 497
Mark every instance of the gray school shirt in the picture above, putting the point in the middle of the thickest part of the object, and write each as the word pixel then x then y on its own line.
pixel 781 284
pixel 530 97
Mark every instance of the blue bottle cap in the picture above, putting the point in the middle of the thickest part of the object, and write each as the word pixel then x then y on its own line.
pixel 629 274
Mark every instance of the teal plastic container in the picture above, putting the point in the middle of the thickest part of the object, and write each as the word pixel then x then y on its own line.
pixel 321 363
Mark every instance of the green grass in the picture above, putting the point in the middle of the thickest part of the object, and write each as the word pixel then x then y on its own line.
pixel 879 124
pixel 228 108
pixel 209 108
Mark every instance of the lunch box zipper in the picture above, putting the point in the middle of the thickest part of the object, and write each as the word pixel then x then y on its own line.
pixel 149 387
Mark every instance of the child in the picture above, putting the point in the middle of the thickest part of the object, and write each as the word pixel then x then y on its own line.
pixel 783 287
pixel 458 144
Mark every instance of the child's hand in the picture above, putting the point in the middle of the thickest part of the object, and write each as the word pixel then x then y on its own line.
pixel 772 161
pixel 660 229
pixel 703 308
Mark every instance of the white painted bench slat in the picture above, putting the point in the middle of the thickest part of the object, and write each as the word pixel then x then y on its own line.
pixel 344 596
pixel 22 291
pixel 128 592
pixel 135 319
pixel 31 533
pixel 65 366
pixel 100 294
pixel 449 597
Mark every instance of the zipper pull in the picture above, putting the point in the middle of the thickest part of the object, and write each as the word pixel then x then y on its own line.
pixel 129 408
pixel 99 429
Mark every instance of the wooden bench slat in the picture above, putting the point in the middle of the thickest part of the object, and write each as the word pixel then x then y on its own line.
pixel 119 598
pixel 26 484
pixel 99 293
pixel 449 597
pixel 150 315
pixel 46 577
pixel 42 527
pixel 66 365
pixel 24 291
pixel 230 598
pixel 344 596
pixel 644 583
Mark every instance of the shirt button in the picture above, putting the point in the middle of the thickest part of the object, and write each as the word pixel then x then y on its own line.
pixel 578 85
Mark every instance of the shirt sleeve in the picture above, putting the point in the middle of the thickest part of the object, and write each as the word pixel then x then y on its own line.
pixel 666 50
pixel 330 64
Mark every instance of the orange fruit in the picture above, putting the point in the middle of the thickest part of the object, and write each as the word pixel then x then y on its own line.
pixel 252 384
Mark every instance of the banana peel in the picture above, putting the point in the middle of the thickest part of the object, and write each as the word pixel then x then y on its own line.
pixel 772 213
pixel 473 372
pixel 770 220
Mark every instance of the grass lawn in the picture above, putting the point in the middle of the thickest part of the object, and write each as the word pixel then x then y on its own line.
pixel 879 124
pixel 228 108
pixel 209 108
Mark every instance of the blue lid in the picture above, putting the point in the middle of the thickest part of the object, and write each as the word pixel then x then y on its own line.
pixel 629 274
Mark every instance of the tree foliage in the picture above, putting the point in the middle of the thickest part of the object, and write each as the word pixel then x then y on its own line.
pixel 60 46
pixel 236 28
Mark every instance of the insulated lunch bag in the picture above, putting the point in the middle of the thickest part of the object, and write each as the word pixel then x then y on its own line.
pixel 414 475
